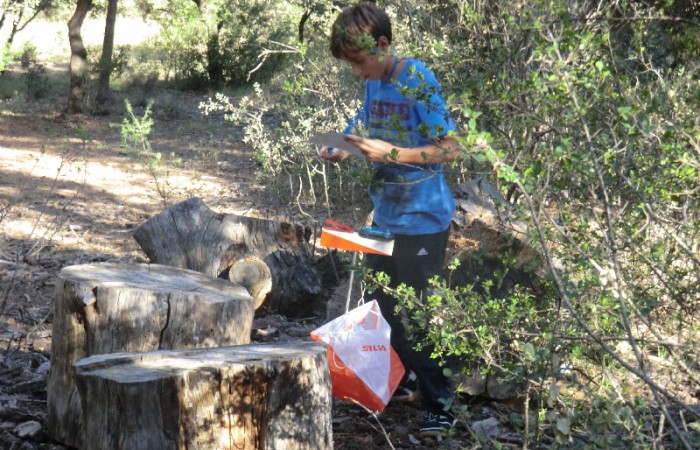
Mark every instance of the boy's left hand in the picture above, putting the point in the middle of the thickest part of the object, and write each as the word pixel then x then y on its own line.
pixel 332 154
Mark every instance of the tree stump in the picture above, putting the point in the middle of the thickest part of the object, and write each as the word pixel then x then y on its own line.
pixel 106 308
pixel 255 397
pixel 190 235
pixel 484 234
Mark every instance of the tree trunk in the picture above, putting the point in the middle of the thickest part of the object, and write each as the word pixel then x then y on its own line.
pixel 255 397
pixel 107 308
pixel 107 51
pixel 302 22
pixel 215 64
pixel 78 59
pixel 190 235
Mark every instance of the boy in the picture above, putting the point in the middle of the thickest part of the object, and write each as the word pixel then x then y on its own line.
pixel 408 124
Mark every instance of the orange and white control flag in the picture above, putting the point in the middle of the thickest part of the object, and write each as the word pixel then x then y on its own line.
pixel 352 241
pixel 363 365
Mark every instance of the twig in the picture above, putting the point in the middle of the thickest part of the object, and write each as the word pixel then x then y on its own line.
pixel 381 427
pixel 526 435
pixel 266 54
pixel 660 431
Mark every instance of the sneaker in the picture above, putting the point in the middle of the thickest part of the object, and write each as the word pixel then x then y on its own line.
pixel 407 391
pixel 435 424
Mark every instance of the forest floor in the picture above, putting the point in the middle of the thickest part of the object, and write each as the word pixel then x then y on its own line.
pixel 71 194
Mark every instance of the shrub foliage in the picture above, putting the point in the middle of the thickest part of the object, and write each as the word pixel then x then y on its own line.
pixel 585 115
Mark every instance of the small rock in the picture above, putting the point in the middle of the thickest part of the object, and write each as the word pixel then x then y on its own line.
pixel 267 334
pixel 43 369
pixel 31 429
pixel 486 428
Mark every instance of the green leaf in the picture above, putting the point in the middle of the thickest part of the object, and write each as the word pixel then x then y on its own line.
pixel 564 426
pixel 530 352
pixel 554 390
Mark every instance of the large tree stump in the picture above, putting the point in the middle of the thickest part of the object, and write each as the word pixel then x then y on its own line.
pixel 257 397
pixel 107 308
pixel 192 236
pixel 484 234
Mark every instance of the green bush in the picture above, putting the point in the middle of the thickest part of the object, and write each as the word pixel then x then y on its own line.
pixel 27 55
pixel 592 120
pixel 38 85
pixel 221 44
pixel 310 93
pixel 5 59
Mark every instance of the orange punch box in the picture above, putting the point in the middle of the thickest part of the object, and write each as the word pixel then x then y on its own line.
pixel 337 235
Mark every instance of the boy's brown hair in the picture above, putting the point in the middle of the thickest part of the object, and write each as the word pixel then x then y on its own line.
pixel 356 23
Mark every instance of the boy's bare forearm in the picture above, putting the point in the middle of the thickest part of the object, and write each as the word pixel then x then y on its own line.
pixel 446 149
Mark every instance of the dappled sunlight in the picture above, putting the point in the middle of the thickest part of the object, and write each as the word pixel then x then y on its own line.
pixel 51 38
pixel 87 200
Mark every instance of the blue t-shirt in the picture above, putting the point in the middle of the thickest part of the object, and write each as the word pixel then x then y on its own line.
pixel 408 112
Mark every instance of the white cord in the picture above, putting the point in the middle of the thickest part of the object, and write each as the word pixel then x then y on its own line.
pixel 352 278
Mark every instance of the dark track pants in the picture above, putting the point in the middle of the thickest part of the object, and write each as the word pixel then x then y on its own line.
pixel 415 260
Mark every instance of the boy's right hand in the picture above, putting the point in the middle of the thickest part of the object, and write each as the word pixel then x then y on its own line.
pixel 332 154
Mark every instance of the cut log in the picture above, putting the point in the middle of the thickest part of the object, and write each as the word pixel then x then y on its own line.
pixel 253 397
pixel 253 274
pixel 106 308
pixel 484 234
pixel 191 236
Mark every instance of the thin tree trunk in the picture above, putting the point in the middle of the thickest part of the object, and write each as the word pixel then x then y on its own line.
pixel 78 58
pixel 302 22
pixel 107 51
pixel 215 66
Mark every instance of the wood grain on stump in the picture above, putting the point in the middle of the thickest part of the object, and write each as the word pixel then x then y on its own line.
pixel 262 396
pixel 107 308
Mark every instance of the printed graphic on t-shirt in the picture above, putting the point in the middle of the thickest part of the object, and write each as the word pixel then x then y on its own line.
pixel 382 110
pixel 389 121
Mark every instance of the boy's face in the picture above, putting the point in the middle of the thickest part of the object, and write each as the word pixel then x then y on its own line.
pixel 370 65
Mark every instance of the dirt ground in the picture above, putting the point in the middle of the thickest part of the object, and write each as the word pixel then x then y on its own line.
pixel 70 194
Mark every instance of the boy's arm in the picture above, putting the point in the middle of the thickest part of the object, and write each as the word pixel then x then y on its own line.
pixel 446 149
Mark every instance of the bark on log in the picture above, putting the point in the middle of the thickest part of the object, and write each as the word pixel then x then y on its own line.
pixel 190 235
pixel 107 308
pixel 484 234
pixel 258 397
